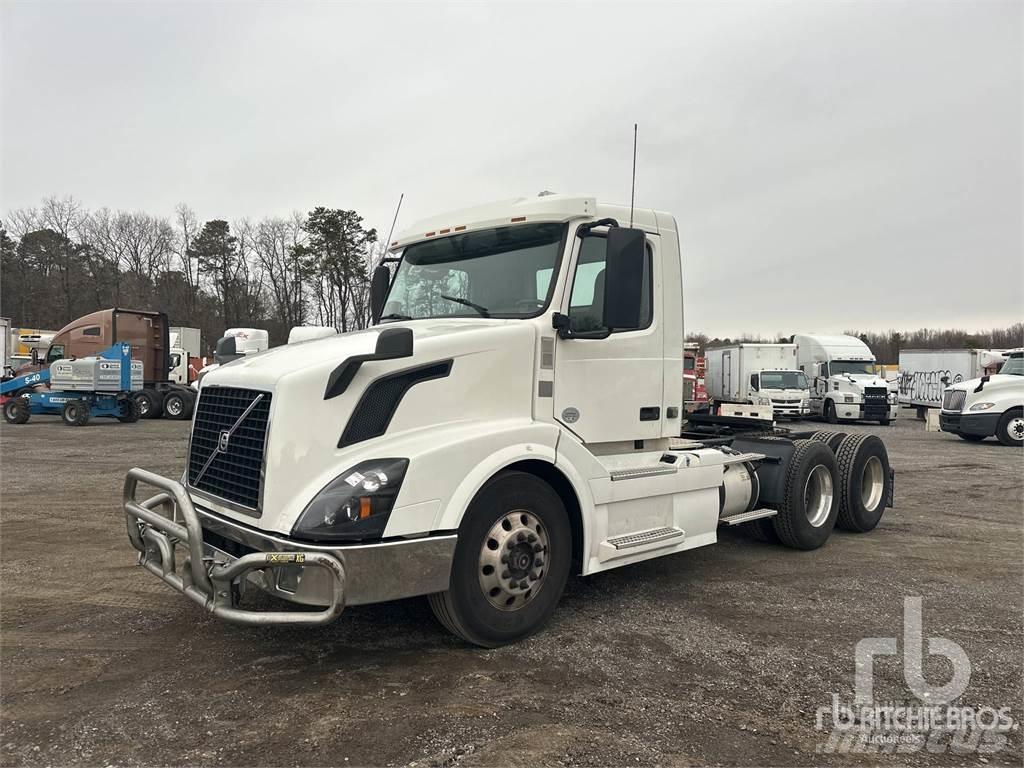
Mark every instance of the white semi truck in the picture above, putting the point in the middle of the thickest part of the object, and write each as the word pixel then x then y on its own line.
pixel 991 405
pixel 513 416
pixel 759 374
pixel 844 385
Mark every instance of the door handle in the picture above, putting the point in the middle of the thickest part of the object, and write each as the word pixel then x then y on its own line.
pixel 650 413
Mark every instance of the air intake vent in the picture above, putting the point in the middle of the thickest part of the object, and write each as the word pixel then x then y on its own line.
pixel 379 402
pixel 235 444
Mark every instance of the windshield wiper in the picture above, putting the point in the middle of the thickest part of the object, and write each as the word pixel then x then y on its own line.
pixel 394 316
pixel 484 311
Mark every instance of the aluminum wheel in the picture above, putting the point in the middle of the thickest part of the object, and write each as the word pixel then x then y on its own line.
pixel 818 495
pixel 174 406
pixel 513 560
pixel 872 484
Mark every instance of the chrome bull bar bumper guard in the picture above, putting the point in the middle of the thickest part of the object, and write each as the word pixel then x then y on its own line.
pixel 204 578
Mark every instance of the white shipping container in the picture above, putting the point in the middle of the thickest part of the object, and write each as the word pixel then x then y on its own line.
pixel 925 373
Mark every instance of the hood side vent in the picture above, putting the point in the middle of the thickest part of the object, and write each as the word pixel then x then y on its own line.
pixel 377 406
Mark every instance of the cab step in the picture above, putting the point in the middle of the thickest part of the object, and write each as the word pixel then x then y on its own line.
pixel 746 517
pixel 640 541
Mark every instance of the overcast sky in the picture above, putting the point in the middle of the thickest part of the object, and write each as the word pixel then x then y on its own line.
pixel 831 165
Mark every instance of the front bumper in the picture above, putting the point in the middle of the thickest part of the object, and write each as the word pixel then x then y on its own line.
pixel 981 424
pixel 224 558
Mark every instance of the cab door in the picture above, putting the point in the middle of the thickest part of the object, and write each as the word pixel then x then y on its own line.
pixel 609 389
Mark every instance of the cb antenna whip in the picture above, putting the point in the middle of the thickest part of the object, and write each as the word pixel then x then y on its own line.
pixel 632 190
pixel 387 243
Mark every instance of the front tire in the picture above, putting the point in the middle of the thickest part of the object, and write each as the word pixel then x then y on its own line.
pixel 830 412
pixel 970 438
pixel 1011 428
pixel 511 562
pixel 16 410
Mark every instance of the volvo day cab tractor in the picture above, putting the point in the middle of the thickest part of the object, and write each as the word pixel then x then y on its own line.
pixel 758 374
pixel 844 385
pixel 992 405
pixel 513 416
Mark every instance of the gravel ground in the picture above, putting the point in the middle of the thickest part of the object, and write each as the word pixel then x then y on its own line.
pixel 717 656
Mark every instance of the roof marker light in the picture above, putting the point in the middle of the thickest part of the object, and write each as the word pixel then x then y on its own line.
pixel 443 231
pixel 430 234
pixel 460 228
pixel 517 219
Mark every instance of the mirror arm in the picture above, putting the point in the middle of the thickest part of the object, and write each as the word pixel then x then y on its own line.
pixel 584 229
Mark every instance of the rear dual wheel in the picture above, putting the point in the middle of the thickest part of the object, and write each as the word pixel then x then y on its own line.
pixel 865 482
pixel 810 504
pixel 511 562
pixel 178 405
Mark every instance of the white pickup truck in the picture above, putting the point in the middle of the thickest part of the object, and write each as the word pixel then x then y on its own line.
pixel 988 406
pixel 513 416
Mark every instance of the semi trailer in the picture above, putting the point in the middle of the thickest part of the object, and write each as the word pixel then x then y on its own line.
pixel 512 416
pixel 844 384
pixel 758 374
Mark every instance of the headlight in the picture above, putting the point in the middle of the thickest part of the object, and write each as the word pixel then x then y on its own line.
pixel 848 398
pixel 764 401
pixel 355 505
pixel 981 406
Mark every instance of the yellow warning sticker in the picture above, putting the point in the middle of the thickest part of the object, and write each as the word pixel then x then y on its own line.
pixel 276 557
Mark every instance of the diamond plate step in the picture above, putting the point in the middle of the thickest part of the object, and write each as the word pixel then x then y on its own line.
pixel 746 517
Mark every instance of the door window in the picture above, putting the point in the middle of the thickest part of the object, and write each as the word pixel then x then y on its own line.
pixel 55 352
pixel 586 305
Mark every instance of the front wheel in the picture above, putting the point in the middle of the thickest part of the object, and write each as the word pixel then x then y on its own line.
pixel 76 413
pixel 830 412
pixel 1010 430
pixel 511 562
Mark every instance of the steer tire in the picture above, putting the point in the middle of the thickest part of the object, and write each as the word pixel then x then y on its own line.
pixel 466 609
pixel 130 407
pixel 831 439
pixel 810 504
pixel 1010 430
pixel 830 412
pixel 864 482
pixel 76 413
pixel 16 410
pixel 177 405
pixel 149 404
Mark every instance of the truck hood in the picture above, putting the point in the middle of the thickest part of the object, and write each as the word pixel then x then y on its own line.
pixel 995 381
pixel 486 381
pixel 862 380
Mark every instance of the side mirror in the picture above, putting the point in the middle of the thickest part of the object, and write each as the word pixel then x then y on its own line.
pixel 379 284
pixel 753 382
pixel 623 277
pixel 225 351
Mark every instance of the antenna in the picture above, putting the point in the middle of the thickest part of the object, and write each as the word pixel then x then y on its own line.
pixel 387 243
pixel 632 189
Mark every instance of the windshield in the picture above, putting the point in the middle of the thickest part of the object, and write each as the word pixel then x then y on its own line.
pixel 1014 366
pixel 783 380
pixel 501 272
pixel 839 367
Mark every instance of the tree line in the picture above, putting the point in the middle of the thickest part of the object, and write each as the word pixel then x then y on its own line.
pixel 59 261
pixel 886 345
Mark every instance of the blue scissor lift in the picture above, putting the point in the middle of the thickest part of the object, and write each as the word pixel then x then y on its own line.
pixel 73 406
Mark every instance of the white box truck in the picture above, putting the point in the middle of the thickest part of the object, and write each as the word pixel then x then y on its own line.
pixel 844 385
pixel 926 373
pixel 759 374
pixel 991 405
pixel 512 416
pixel 186 347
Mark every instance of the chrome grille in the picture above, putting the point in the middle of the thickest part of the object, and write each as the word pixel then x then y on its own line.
pixel 953 399
pixel 232 473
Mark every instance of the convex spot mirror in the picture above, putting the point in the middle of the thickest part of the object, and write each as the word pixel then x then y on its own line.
pixel 623 277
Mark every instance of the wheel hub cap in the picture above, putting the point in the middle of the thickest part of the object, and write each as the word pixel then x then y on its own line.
pixel 1016 428
pixel 872 483
pixel 818 495
pixel 513 560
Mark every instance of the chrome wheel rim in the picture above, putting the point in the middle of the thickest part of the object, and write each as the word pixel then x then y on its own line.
pixel 818 495
pixel 1015 429
pixel 143 405
pixel 513 560
pixel 872 483
pixel 173 406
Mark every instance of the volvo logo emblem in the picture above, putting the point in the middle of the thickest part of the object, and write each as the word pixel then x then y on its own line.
pixel 223 441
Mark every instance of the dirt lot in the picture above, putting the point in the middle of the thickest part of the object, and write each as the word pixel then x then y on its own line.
pixel 718 656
